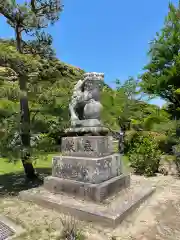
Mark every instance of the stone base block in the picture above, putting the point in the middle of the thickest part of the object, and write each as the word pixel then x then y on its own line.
pixel 88 191
pixel 87 169
pixel 87 146
pixel 109 214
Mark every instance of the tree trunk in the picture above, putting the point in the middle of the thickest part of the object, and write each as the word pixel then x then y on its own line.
pixel 25 117
pixel 25 129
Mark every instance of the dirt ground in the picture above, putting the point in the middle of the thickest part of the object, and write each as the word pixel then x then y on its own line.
pixel 157 218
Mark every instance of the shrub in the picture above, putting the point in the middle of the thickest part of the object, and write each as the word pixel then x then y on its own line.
pixel 144 154
pixel 128 140
pixel 165 142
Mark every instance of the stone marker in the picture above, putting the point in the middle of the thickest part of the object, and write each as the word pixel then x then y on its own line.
pixel 87 158
pixel 88 168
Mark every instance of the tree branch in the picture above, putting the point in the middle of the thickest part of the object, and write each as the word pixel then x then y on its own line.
pixel 35 113
pixel 6 14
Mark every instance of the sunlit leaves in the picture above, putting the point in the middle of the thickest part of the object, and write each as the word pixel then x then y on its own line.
pixel 162 74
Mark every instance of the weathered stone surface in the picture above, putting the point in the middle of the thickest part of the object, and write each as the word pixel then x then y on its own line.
pixel 86 123
pixel 85 102
pixel 81 131
pixel 87 146
pixel 87 169
pixel 113 210
pixel 88 191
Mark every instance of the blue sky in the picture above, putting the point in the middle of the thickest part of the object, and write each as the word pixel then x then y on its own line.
pixel 106 36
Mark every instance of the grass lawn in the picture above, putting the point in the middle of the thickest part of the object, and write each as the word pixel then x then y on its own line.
pixel 15 167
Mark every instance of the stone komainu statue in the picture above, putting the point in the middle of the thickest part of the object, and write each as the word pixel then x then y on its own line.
pixel 85 106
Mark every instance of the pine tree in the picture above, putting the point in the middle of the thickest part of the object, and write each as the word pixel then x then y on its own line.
pixel 50 85
pixel 29 18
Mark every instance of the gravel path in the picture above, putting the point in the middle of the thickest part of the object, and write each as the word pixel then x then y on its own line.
pixel 157 218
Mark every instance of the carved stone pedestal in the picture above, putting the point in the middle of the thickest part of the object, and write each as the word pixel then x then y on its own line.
pixel 88 172
pixel 88 168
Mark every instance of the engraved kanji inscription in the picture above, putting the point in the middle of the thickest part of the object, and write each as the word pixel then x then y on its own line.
pixel 88 147
pixel 70 146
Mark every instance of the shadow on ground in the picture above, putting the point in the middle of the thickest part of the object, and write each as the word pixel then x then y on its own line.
pixel 12 183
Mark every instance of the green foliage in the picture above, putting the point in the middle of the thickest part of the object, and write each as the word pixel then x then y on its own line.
pixel 144 155
pixel 68 235
pixel 44 143
pixel 30 18
pixel 162 74
pixel 110 108
pixel 18 63
pixel 168 135
pixel 41 45
pixel 49 89
pixel 165 141
pixel 120 104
